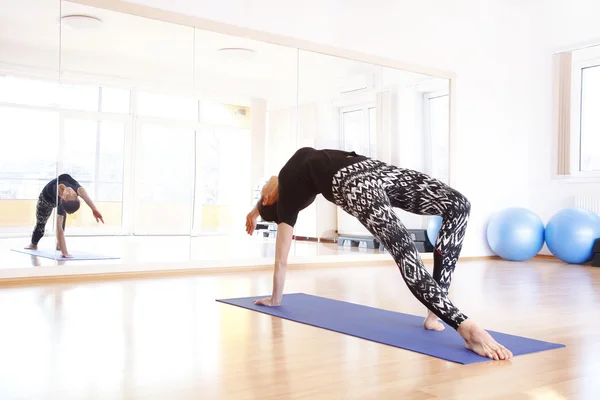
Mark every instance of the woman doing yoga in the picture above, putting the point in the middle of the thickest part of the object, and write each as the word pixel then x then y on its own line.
pixel 369 189
pixel 62 193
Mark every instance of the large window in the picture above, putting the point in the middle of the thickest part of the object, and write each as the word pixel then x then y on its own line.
pixel 577 117
pixel 589 150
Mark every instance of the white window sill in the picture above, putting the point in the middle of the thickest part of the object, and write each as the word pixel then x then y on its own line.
pixel 578 179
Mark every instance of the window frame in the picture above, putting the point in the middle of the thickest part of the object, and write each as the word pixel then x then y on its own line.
pixel 581 59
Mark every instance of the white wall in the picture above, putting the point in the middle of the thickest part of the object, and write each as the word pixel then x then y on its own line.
pixel 566 24
pixel 558 25
pixel 487 44
pixel 483 43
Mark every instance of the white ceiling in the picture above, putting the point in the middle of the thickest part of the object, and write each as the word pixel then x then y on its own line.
pixel 146 52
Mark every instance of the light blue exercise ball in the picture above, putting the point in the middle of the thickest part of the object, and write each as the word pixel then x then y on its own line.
pixel 433 228
pixel 571 233
pixel 515 234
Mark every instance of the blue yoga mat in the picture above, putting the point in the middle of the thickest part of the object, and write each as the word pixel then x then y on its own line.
pixel 56 255
pixel 387 327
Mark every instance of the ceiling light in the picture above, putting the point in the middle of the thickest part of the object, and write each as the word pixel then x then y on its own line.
pixel 236 54
pixel 81 21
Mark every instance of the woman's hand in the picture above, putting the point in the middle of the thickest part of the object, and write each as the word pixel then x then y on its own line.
pixel 251 221
pixel 266 302
pixel 98 216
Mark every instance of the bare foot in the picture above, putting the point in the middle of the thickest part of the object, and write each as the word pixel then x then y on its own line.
pixel 480 342
pixel 31 247
pixel 432 323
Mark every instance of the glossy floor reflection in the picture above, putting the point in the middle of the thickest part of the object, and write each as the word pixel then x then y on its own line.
pixel 169 339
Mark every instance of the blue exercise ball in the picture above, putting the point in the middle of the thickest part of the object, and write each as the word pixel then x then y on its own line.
pixel 515 234
pixel 571 233
pixel 433 228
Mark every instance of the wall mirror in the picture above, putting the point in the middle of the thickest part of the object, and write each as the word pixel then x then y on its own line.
pixel 172 130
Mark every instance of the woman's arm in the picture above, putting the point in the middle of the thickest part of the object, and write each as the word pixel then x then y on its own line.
pixel 283 244
pixel 251 219
pixel 83 194
pixel 60 236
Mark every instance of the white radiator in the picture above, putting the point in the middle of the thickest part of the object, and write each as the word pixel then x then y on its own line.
pixel 591 203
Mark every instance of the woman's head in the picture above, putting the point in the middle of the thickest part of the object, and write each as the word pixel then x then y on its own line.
pixel 69 200
pixel 268 212
pixel 267 204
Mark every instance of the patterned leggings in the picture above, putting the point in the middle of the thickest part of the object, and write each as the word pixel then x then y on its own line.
pixel 370 189
pixel 43 211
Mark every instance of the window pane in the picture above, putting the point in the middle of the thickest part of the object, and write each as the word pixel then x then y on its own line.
pixel 112 192
pixel 590 120
pixel 165 106
pixel 79 154
pixel 29 144
pixel 21 189
pixel 29 92
pixel 112 143
pixel 89 188
pixel 221 153
pixel 27 162
pixel 79 97
pixel 93 144
pixel 212 112
pixel 164 172
pixel 93 155
pixel 115 100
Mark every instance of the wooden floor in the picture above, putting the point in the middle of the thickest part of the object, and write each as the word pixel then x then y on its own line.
pixel 169 339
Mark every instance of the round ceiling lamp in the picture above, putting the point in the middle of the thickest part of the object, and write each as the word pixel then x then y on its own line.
pixel 236 54
pixel 81 21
